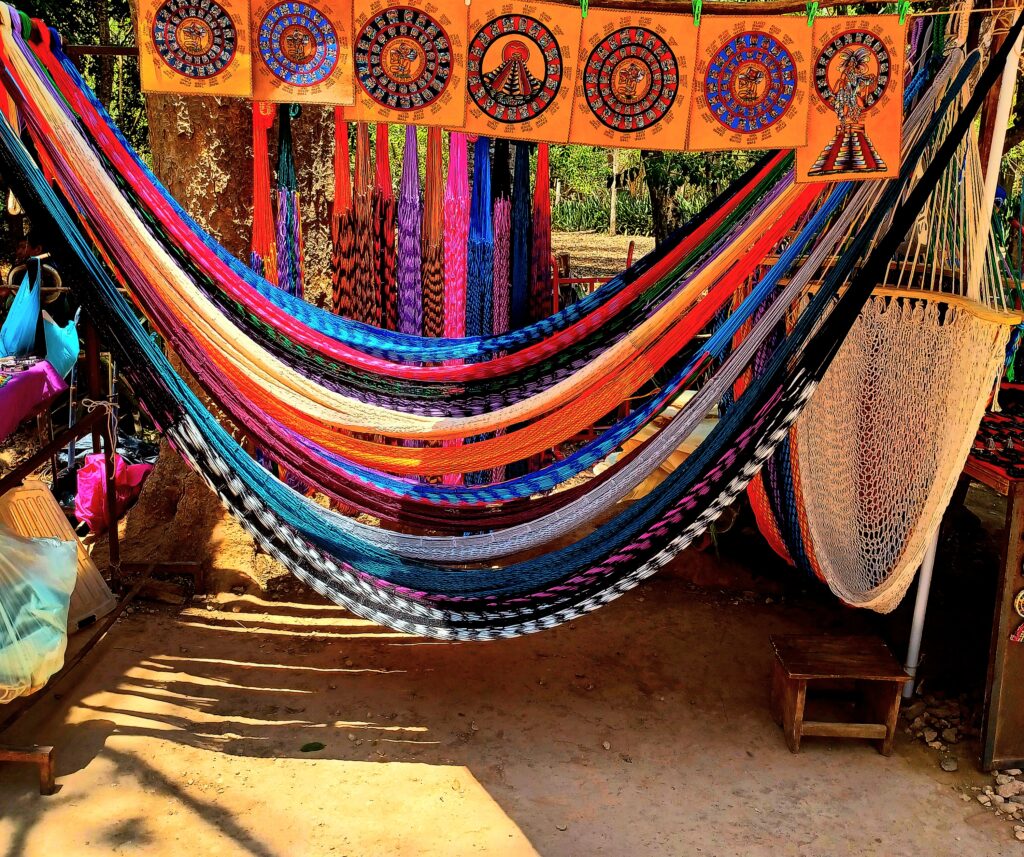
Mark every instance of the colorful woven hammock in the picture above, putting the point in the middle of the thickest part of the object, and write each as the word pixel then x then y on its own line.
pixel 411 595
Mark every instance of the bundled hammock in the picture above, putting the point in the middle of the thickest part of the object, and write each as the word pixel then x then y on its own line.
pixel 414 595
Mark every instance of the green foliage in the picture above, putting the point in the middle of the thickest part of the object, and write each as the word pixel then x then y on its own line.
pixel 593 213
pixel 114 79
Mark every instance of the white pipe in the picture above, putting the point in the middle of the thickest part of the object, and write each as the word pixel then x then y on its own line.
pixel 924 585
pixel 995 156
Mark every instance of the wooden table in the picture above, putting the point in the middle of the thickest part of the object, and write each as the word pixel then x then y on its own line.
pixel 866 661
pixel 1003 728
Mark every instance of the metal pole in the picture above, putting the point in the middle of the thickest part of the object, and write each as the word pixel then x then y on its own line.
pixel 995 147
pixel 924 585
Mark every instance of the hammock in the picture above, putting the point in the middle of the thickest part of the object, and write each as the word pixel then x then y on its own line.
pixel 922 344
pixel 522 597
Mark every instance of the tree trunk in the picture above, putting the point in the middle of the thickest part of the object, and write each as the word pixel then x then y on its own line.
pixel 662 192
pixel 105 65
pixel 202 153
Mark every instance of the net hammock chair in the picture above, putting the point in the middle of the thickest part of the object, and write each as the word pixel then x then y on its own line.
pixel 861 486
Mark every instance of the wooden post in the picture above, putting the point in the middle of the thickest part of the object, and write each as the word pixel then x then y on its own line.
pixel 113 539
pixel 93 377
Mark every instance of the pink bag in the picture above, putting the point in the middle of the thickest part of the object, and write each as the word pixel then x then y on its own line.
pixel 91 501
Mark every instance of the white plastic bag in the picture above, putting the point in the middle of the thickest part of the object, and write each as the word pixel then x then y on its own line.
pixel 37 577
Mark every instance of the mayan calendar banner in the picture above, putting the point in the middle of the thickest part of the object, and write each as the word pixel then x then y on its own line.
pixel 855 121
pixel 195 47
pixel 521 70
pixel 302 52
pixel 410 63
pixel 634 86
pixel 750 84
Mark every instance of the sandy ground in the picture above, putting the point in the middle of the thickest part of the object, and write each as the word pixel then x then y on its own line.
pixel 593 254
pixel 186 732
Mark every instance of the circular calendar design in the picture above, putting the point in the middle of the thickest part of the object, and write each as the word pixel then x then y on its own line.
pixel 298 44
pixel 631 79
pixel 514 68
pixel 750 82
pixel 403 59
pixel 196 38
pixel 854 64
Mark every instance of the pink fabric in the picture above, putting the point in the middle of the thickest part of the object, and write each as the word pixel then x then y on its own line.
pixel 23 392
pixel 91 500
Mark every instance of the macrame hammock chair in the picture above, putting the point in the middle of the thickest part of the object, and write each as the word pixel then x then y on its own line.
pixel 860 487
pixel 208 311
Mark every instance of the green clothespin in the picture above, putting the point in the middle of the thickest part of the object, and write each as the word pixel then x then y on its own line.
pixel 697 4
pixel 812 12
pixel 584 8
pixel 903 6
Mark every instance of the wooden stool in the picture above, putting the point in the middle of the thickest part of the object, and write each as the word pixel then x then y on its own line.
pixel 41 757
pixel 800 659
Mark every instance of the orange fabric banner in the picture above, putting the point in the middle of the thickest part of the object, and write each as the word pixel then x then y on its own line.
pixel 634 84
pixel 195 47
pixel 855 122
pixel 751 84
pixel 410 63
pixel 521 70
pixel 303 52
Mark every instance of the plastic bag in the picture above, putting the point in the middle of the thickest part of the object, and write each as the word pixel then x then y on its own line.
pixel 61 344
pixel 18 334
pixel 37 577
pixel 91 500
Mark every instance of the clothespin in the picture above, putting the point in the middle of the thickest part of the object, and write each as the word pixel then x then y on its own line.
pixel 812 12
pixel 697 4
pixel 903 6
pixel 584 8
pixel 294 110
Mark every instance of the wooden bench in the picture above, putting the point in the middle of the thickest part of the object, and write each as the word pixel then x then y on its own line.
pixel 864 661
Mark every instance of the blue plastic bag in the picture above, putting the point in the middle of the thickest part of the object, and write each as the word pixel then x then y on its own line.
pixel 18 334
pixel 61 344
pixel 37 577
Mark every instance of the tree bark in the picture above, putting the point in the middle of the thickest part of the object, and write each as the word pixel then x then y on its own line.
pixel 662 193
pixel 202 153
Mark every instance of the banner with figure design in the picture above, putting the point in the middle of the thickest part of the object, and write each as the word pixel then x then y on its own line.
pixel 855 121
pixel 195 47
pixel 750 84
pixel 521 70
pixel 302 51
pixel 410 63
pixel 633 87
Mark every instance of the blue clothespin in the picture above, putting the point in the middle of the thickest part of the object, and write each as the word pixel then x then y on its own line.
pixel 903 6
pixel 812 12
pixel 697 4
pixel 584 7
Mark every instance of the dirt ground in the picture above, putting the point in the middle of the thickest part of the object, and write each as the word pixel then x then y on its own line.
pixel 595 255
pixel 641 729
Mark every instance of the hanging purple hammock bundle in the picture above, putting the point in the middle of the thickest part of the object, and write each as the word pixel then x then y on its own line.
pixel 384 232
pixel 501 226
pixel 410 298
pixel 289 223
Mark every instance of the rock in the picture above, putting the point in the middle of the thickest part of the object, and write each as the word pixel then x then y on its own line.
pixel 1011 789
pixel 917 724
pixel 606 745
pixel 950 736
pixel 1017 799
pixel 1018 833
pixel 984 800
pixel 914 710
pixel 930 735
pixel 964 796
pixel 949 763
pixel 562 827
pixel 1013 772
pixel 936 745
pixel 1003 779
pixel 998 800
